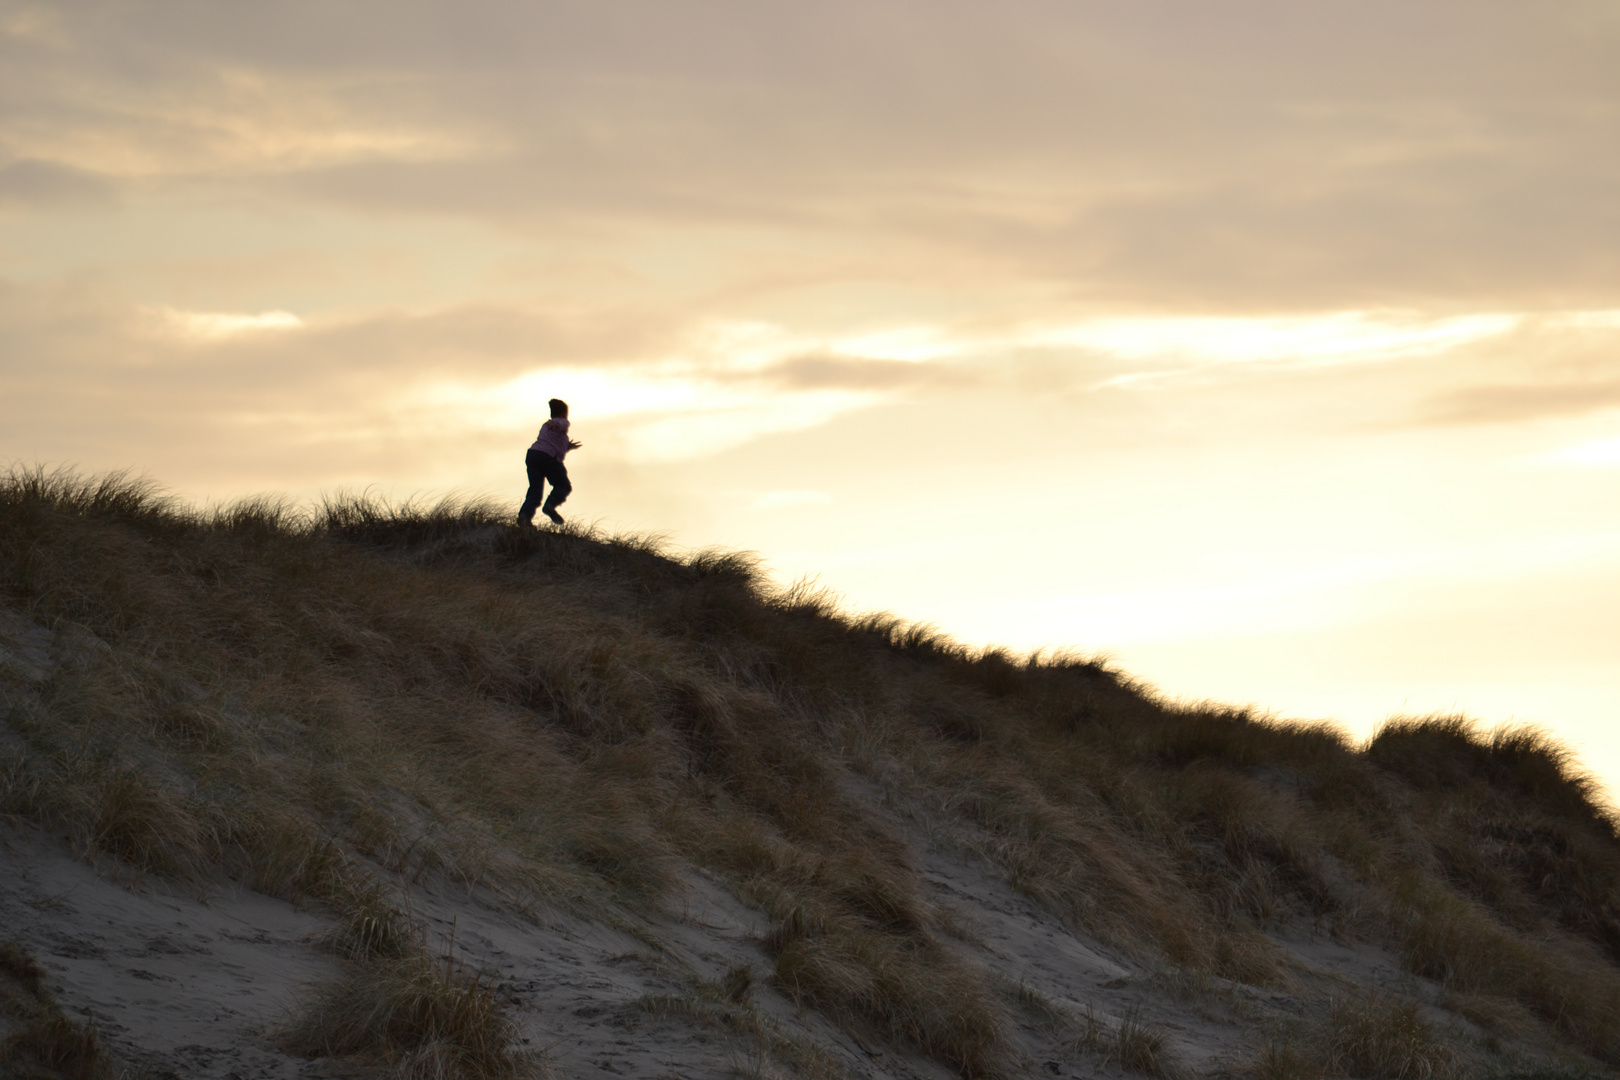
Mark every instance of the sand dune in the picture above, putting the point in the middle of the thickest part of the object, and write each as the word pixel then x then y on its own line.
pixel 416 791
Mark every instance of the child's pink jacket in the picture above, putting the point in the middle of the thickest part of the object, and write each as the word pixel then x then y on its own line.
pixel 553 438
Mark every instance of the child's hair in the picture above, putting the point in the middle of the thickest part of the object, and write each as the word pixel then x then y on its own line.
pixel 559 407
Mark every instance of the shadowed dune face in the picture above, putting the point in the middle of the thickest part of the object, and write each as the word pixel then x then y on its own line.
pixel 320 704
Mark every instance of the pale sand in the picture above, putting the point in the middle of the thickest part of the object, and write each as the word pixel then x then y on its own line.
pixel 193 986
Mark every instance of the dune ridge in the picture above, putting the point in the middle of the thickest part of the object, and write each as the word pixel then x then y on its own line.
pixel 424 792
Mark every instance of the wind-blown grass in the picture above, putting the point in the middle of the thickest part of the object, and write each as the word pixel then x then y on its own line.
pixel 311 699
pixel 36 1038
pixel 428 1017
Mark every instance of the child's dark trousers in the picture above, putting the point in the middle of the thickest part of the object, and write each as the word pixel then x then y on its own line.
pixel 543 469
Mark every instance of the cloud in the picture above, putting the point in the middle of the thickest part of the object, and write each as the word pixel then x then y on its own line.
pixel 1335 337
pixel 1551 365
pixel 856 373
pixel 366 220
pixel 47 184
pixel 84 373
pixel 218 325
pixel 1242 160
pixel 1125 351
pixel 64 341
pixel 117 101
pixel 1510 403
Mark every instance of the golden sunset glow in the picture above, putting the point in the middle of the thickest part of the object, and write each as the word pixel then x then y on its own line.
pixel 1271 350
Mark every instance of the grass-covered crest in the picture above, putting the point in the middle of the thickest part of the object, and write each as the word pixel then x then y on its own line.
pixel 315 701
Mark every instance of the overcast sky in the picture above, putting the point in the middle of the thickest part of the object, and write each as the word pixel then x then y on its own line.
pixel 1272 349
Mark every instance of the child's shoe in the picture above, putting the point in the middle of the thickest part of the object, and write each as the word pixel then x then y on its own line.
pixel 556 518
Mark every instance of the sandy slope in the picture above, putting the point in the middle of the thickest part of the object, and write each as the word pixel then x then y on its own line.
pixel 192 982
pixel 193 985
pixel 172 982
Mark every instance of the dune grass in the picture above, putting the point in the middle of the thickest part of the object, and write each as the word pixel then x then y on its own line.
pixel 315 700
pixel 726 1005
pixel 37 1039
pixel 426 1017
pixel 1131 1043
pixel 1375 1038
pixel 1371 1037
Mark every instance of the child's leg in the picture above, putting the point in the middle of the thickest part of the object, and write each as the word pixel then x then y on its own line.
pixel 537 479
pixel 557 473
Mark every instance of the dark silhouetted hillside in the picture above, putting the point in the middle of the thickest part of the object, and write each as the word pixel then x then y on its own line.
pixel 548 798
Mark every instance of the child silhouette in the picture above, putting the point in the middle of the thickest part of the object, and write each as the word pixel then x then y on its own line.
pixel 544 462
